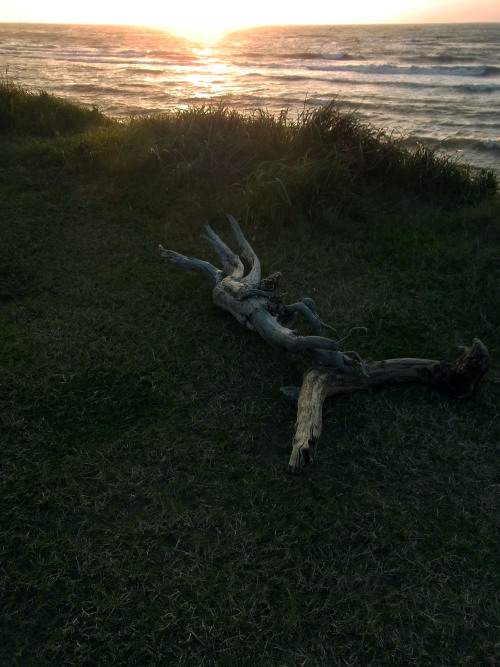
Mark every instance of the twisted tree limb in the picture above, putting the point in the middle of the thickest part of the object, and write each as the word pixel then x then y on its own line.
pixel 254 304
pixel 458 379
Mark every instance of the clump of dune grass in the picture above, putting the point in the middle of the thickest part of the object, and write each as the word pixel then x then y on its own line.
pixel 42 114
pixel 275 164
pixel 429 168
pixel 274 160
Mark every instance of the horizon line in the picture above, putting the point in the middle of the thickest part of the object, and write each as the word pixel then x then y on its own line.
pixel 256 25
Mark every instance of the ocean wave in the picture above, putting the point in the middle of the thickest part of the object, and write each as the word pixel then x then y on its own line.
pixel 305 55
pixel 474 144
pixel 319 56
pixel 171 55
pixel 416 83
pixel 491 70
pixel 112 60
pixel 41 48
pixel 415 70
pixel 301 55
pixel 491 144
pixel 148 71
pixel 85 88
pixel 440 58
pixel 457 144
pixel 105 56
pixel 341 56
pixel 480 88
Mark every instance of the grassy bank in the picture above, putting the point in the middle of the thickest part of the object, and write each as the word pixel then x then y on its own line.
pixel 147 515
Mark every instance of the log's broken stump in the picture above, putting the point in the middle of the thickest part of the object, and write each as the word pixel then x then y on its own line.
pixel 253 302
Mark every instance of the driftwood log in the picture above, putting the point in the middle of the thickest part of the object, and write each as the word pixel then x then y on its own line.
pixel 254 303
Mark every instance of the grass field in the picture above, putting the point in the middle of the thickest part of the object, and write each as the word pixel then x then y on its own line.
pixel 147 514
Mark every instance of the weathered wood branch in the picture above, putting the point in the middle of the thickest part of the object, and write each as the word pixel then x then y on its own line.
pixel 254 304
pixel 458 379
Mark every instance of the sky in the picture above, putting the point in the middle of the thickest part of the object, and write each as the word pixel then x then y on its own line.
pixel 209 15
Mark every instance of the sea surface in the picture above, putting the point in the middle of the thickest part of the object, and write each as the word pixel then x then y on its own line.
pixel 439 84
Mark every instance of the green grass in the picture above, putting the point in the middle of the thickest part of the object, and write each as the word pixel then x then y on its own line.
pixel 147 515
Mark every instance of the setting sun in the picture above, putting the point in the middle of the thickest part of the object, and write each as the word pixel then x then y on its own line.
pixel 223 15
pixel 204 17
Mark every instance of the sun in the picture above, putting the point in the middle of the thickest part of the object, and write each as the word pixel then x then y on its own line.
pixel 200 16
pixel 204 18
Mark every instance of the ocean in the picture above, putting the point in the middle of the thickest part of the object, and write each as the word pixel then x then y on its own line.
pixel 437 84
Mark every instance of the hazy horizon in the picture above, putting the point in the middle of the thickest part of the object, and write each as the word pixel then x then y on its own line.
pixel 223 15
